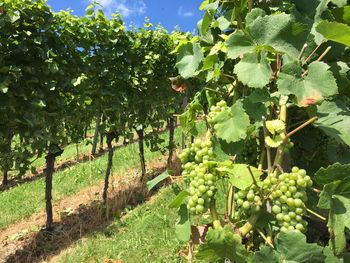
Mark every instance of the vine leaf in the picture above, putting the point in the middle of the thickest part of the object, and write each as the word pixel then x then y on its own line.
pixel 275 33
pixel 223 244
pixel 335 197
pixel 232 127
pixel 334 120
pixel 238 44
pixel 178 200
pixel 335 31
pixel 240 176
pixel 254 70
pixel 318 84
pixel 154 182
pixel 290 247
pixel 339 220
pixel 331 258
pixel 183 226
pixel 332 173
pixel 188 59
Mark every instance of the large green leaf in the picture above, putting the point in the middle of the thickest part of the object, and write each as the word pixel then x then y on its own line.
pixel 334 120
pixel 290 247
pixel 318 84
pixel 277 33
pixel 240 176
pixel 232 126
pixel 332 173
pixel 223 244
pixel 254 70
pixel 331 258
pixel 335 31
pixel 335 197
pixel 189 58
pixel 178 200
pixel 239 44
pixel 183 226
pixel 152 183
pixel 339 220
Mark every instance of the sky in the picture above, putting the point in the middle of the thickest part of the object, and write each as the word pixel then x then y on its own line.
pixel 169 13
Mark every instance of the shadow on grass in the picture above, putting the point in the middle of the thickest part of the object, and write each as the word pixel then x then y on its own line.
pixel 86 220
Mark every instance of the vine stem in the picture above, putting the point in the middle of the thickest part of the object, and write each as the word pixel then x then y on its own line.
pixel 313 119
pixel 251 174
pixel 302 51
pixel 245 229
pixel 313 52
pixel 315 214
pixel 267 240
pixel 268 152
pixel 214 215
pixel 319 59
pixel 230 204
pixel 262 159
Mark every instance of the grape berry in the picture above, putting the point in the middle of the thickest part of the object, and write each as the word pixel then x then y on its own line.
pixel 288 198
pixel 195 160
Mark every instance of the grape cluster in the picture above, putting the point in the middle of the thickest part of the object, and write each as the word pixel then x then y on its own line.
pixel 251 152
pixel 246 202
pixel 215 110
pixel 288 198
pixel 202 181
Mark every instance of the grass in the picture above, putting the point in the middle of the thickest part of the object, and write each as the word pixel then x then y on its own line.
pixel 27 199
pixel 146 234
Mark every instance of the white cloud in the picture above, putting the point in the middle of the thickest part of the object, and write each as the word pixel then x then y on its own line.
pixel 124 7
pixel 188 14
pixel 181 12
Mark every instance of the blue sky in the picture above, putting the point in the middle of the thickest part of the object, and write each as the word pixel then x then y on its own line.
pixel 169 13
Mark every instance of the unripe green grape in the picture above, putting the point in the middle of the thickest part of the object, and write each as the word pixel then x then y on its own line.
pixel 200 201
pixel 199 208
pixel 241 194
pixel 283 188
pixel 288 194
pixel 301 182
pixel 240 201
pixel 284 229
pixel 250 196
pixel 201 181
pixel 285 224
pixel 290 201
pixel 202 188
pixel 292 215
pixel 286 218
pixel 291 228
pixel 210 193
pixel 292 189
pixel 279 217
pixel 283 199
pixel 299 227
pixel 298 218
pixel 295 169
pixel 246 205
pixel 293 222
pixel 302 172
pixel 298 202
pixel 276 209
pixel 299 211
pixel 256 208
